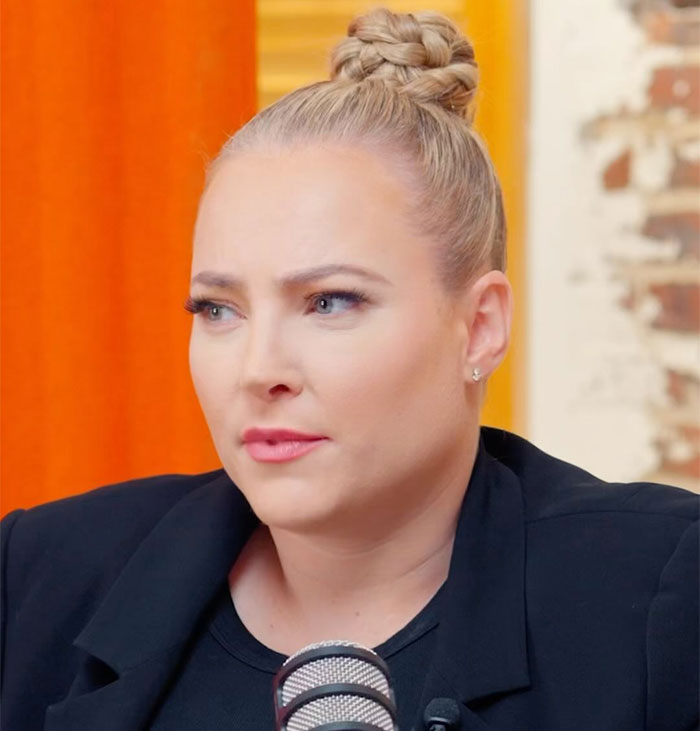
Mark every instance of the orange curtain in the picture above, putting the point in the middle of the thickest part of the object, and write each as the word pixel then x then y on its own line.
pixel 109 111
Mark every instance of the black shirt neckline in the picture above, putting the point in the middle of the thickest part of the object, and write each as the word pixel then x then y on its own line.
pixel 228 629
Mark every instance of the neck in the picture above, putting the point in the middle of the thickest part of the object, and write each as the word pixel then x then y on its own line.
pixel 389 573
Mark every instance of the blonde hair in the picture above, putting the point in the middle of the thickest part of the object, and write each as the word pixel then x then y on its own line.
pixel 402 85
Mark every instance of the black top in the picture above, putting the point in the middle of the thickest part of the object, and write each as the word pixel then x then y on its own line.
pixel 571 604
pixel 226 677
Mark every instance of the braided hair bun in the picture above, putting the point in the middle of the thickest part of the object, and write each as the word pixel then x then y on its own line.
pixel 424 54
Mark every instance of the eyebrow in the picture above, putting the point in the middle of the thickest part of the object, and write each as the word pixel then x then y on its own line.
pixel 229 281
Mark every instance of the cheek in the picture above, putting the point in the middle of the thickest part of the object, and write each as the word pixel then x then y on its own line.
pixel 397 372
pixel 211 377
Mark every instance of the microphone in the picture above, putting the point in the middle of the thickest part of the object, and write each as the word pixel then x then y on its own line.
pixel 442 714
pixel 334 685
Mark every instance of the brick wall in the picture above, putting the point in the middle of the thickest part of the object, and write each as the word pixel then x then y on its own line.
pixel 663 287
pixel 631 256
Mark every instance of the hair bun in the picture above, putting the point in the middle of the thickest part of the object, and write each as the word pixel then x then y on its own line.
pixel 424 53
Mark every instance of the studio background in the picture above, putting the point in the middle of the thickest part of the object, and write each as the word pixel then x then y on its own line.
pixel 590 109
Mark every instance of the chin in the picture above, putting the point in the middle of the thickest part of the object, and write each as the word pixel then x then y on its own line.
pixel 295 519
pixel 291 506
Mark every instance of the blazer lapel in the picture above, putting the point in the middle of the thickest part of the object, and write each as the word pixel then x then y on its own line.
pixel 139 632
pixel 124 704
pixel 481 649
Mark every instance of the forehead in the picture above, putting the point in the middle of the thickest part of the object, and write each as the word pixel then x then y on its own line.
pixel 306 206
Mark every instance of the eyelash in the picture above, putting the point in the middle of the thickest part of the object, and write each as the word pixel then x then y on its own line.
pixel 197 305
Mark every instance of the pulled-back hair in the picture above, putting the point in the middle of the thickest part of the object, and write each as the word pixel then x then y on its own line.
pixel 402 85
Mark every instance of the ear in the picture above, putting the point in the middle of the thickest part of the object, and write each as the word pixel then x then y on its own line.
pixel 489 313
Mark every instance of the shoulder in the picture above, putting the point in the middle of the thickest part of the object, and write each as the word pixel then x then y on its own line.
pixel 132 504
pixel 553 489
pixel 90 531
pixel 614 539
pixel 59 562
pixel 612 570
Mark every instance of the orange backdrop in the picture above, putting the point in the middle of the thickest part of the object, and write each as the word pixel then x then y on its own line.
pixel 109 113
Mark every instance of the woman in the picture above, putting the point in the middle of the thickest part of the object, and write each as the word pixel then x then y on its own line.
pixel 350 304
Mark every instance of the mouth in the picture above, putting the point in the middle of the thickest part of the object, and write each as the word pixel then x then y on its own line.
pixel 271 450
pixel 257 434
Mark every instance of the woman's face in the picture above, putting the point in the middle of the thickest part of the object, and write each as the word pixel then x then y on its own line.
pixel 374 363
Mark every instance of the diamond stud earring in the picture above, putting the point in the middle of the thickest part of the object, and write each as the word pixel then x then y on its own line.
pixel 476 375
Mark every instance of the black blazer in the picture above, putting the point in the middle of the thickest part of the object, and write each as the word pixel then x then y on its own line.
pixel 571 604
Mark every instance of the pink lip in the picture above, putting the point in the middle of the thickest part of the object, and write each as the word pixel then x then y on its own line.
pixel 281 451
pixel 277 435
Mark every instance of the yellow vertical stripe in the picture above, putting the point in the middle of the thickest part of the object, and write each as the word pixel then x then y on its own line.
pixel 499 32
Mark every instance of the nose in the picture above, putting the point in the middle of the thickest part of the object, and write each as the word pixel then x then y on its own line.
pixel 266 369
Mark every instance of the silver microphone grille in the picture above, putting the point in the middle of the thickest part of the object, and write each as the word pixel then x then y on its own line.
pixel 334 682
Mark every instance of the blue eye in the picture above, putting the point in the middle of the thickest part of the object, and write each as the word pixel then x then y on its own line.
pixel 217 312
pixel 324 299
pixel 213 311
